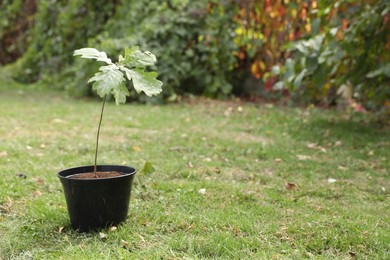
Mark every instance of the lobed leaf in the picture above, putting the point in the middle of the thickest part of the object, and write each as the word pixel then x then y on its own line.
pixel 110 78
pixel 109 81
pixel 134 58
pixel 144 81
pixel 92 53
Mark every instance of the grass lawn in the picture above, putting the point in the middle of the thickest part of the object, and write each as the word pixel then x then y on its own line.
pixel 230 180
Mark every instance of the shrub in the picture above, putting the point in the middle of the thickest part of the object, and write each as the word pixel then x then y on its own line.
pixel 350 55
pixel 193 40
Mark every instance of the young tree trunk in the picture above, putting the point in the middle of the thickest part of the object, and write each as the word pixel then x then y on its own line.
pixel 98 134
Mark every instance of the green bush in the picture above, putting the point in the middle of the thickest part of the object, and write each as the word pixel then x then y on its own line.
pixel 59 28
pixel 193 41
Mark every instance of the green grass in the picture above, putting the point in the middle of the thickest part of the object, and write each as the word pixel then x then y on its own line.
pixel 242 154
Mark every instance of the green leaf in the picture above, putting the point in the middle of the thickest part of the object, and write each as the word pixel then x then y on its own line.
pixel 383 70
pixel 144 81
pixel 148 168
pixel 120 94
pixel 92 53
pixel 134 58
pixel 108 80
pixel 311 63
pixel 298 79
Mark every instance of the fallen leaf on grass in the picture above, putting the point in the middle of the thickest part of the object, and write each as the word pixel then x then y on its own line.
pixel 277 160
pixel 9 202
pixel 136 148
pixel 148 168
pixel 331 180
pixel 338 143
pixel 202 191
pixel 39 181
pixel 3 154
pixel 228 112
pixel 290 186
pixel 316 147
pixel 303 157
pixel 37 194
pixel 58 121
pixel 60 229
pixel 113 228
pixel 124 243
pixel 102 235
pixel 141 237
pixel 236 231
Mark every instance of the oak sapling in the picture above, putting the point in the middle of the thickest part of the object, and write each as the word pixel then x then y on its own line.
pixel 111 78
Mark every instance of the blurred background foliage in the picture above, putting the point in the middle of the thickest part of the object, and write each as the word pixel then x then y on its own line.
pixel 302 52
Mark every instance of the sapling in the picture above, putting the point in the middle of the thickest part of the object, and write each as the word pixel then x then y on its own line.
pixel 111 78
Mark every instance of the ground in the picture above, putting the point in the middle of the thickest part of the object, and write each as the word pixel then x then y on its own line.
pixel 215 180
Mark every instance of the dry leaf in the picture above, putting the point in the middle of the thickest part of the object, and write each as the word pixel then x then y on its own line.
pixel 370 153
pixel 142 238
pixel 190 165
pixel 113 228
pixel 314 146
pixel 29 147
pixel 39 181
pixel 290 186
pixel 58 121
pixel 3 154
pixel 9 202
pixel 331 180
pixel 124 243
pixel 102 235
pixel 37 194
pixel 136 148
pixel 202 191
pixel 303 157
pixel 342 168
pixel 338 143
pixel 277 160
pixel 236 231
pixel 60 229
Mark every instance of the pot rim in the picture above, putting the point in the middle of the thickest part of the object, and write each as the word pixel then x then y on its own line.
pixel 83 169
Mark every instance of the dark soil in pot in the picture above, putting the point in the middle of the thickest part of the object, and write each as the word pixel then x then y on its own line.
pixel 91 175
pixel 95 203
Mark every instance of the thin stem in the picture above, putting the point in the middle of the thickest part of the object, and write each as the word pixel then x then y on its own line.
pixel 97 136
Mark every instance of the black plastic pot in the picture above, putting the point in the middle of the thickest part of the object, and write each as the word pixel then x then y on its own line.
pixel 97 203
